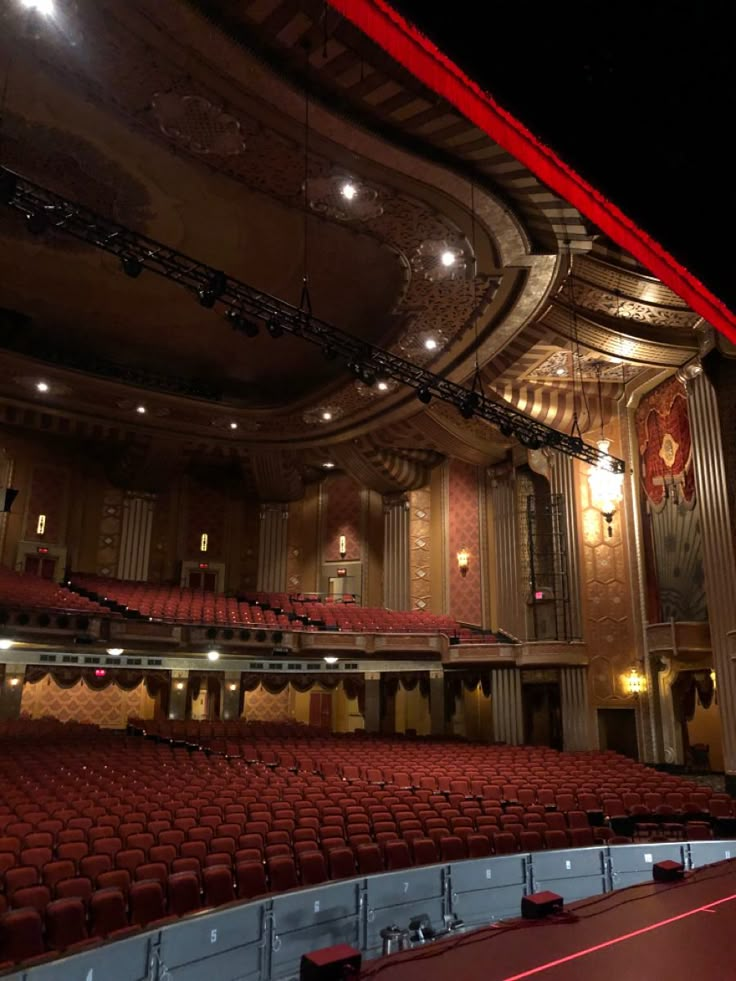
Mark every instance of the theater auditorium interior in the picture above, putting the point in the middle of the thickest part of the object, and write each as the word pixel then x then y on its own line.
pixel 367 557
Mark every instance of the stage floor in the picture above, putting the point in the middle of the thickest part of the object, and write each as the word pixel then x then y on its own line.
pixel 674 931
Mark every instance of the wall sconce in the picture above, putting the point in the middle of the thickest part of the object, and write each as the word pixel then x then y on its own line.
pixel 463 561
pixel 180 686
pixel 606 487
pixel 635 682
pixel 233 687
pixel 204 542
pixel 14 682
pixel 713 679
pixel 343 546
pixel 41 525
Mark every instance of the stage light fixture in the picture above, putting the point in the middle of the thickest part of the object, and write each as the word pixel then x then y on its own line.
pixel 506 429
pixel 468 405
pixel 329 352
pixel 530 441
pixel 424 395
pixel 368 378
pixel 132 267
pixel 37 223
pixel 244 325
pixel 212 292
pixel 275 328
pixel 349 190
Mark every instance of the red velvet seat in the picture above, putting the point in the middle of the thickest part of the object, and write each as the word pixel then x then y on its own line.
pixel 281 873
pixel 66 923
pixel 146 901
pixel 251 880
pixel 78 887
pixel 183 892
pixel 107 912
pixel 21 935
pixel 218 886
pixel 312 867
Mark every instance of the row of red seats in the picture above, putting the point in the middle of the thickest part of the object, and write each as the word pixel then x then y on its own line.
pixel 17 589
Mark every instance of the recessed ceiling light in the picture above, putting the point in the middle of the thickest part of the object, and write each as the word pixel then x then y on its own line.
pixel 233 425
pixel 448 258
pixel 114 651
pixel 326 416
pixel 45 7
pixel 430 344
pixel 348 190
pixel 330 660
pixel 561 371
pixel 141 409
pixel 42 386
pixel 5 644
pixel 328 465
pixel 213 655
pixel 383 386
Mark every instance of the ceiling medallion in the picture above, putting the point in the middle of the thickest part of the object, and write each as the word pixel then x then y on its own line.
pixel 198 124
pixel 384 386
pixel 437 259
pixel 343 198
pixel 243 425
pixel 128 405
pixel 323 415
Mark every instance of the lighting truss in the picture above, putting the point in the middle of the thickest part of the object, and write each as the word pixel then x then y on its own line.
pixel 46 211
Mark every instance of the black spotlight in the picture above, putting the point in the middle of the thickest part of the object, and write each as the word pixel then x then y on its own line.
pixel 213 290
pixel 468 405
pixel 242 324
pixel 132 267
pixel 368 378
pixel 329 352
pixel 38 223
pixel 275 328
pixel 8 186
pixel 506 429
pixel 424 395
pixel 531 441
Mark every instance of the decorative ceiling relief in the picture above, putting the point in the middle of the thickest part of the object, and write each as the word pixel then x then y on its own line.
pixel 198 124
pixel 344 199
pixel 438 259
pixel 566 365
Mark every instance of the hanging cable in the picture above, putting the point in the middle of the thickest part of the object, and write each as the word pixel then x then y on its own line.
pixel 577 363
pixel 305 303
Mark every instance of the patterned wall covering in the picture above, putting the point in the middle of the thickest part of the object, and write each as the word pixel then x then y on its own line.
pixel 420 543
pixel 464 532
pixel 663 430
pixel 49 490
pixel 206 511
pixel 108 545
pixel 262 706
pixel 109 708
pixel 342 514
pixel 672 514
pixel 608 625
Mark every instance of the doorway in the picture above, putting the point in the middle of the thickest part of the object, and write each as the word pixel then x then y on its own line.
pixel 42 566
pixel 320 710
pixel 617 731
pixel 206 581
pixel 542 710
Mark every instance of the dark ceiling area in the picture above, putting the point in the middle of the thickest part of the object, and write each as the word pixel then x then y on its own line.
pixel 638 97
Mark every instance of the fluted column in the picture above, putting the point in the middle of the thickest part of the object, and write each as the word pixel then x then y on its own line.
pixel 11 692
pixel 135 537
pixel 372 713
pixel 719 564
pixel 396 553
pixel 562 482
pixel 272 547
pixel 506 706
pixel 437 702
pixel 575 709
pixel 230 701
pixel 178 695
pixel 509 601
